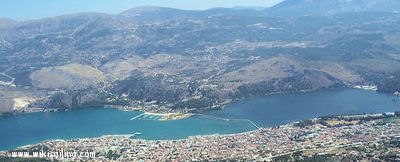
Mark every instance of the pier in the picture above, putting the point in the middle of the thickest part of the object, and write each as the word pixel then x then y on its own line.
pixel 254 124
pixel 145 116
pixel 136 117
pixel 227 119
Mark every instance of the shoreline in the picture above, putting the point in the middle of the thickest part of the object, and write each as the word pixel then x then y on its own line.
pixel 123 108
pixel 164 111
pixel 316 129
pixel 364 116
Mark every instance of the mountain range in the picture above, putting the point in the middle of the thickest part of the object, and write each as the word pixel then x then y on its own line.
pixel 164 59
pixel 332 7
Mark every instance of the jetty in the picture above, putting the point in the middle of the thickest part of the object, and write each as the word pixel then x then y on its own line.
pixel 254 124
pixel 227 119
pixel 137 116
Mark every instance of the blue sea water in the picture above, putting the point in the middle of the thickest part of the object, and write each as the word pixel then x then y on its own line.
pixel 264 111
pixel 279 109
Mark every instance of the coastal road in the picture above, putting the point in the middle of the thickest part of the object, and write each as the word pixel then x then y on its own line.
pixel 7 76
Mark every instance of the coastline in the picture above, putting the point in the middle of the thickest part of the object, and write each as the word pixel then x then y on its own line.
pixel 162 111
pixel 279 139
pixel 368 116
pixel 124 108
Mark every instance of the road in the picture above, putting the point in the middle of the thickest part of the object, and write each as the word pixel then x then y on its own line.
pixel 12 79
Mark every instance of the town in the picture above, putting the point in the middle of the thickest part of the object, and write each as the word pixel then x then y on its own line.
pixel 344 137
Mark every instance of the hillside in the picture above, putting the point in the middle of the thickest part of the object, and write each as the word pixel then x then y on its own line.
pixel 174 60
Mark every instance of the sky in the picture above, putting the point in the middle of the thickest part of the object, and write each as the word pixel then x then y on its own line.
pixel 35 9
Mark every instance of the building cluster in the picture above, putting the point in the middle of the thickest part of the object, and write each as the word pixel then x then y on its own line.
pixel 262 144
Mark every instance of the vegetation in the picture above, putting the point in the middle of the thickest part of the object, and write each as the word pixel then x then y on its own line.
pixel 305 123
pixel 112 155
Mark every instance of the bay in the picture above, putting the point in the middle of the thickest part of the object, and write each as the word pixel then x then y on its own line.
pixel 266 111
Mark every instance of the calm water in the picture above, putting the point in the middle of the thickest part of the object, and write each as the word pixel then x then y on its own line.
pixel 265 111
pixel 283 108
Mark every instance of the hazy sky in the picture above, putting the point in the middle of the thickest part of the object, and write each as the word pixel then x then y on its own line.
pixel 34 9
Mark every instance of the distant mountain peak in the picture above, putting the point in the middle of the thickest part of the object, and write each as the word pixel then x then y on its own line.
pixel 155 13
pixel 147 9
pixel 4 22
pixel 330 7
